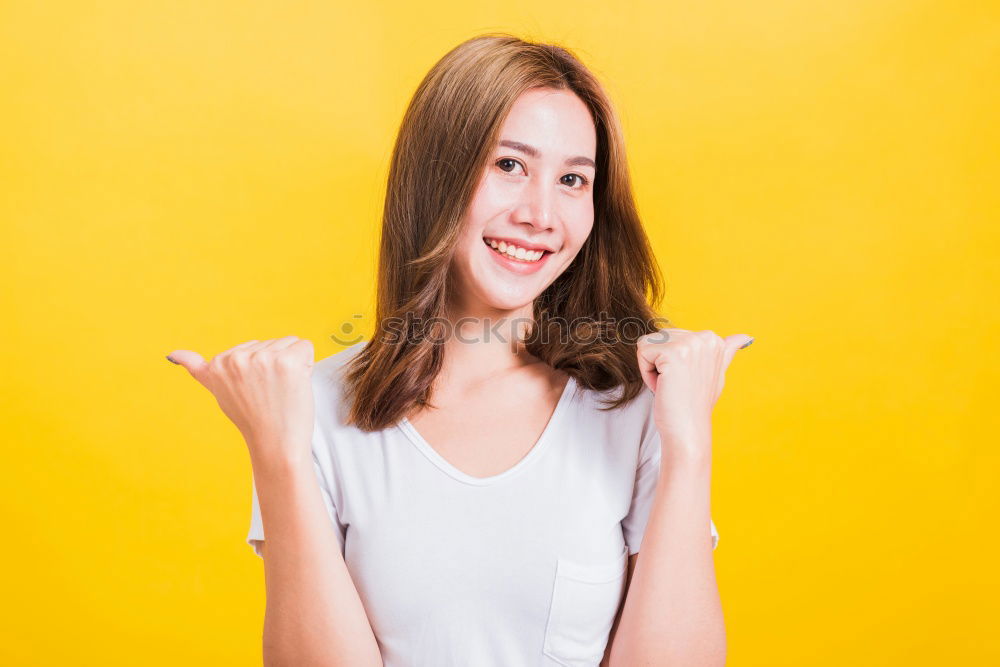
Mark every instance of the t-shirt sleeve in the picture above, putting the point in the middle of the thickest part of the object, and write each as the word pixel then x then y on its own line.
pixel 646 477
pixel 256 534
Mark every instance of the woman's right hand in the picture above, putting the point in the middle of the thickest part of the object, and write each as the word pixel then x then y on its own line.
pixel 265 388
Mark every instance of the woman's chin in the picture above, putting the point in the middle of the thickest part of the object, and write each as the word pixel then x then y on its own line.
pixel 507 301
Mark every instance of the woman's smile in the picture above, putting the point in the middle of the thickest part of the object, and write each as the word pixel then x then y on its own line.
pixel 515 258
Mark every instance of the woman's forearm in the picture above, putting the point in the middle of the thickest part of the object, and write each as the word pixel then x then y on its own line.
pixel 672 613
pixel 313 615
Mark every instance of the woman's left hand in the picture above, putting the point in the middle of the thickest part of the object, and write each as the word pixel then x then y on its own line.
pixel 686 371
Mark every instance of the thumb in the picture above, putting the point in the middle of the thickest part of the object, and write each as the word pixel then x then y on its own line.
pixel 733 344
pixel 190 360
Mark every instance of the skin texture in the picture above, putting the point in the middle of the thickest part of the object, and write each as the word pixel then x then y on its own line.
pixel 535 199
pixel 671 613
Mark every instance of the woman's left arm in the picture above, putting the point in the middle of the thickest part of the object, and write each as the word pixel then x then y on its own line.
pixel 672 614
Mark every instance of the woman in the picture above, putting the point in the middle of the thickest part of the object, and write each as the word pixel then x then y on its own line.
pixel 478 478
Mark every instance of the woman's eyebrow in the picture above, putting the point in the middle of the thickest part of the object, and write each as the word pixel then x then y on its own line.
pixel 534 152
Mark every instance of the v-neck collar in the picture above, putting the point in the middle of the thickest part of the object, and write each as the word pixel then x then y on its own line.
pixel 540 445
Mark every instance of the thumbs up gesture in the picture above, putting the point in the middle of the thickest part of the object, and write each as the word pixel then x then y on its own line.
pixel 686 371
pixel 265 388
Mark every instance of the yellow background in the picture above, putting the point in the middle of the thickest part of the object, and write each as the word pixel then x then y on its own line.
pixel 821 175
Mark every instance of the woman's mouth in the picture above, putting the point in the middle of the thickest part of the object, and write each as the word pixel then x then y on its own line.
pixel 516 253
pixel 516 259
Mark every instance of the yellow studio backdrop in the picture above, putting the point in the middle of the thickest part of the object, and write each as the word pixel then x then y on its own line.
pixel 190 175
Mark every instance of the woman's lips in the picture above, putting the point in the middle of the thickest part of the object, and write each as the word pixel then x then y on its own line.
pixel 514 265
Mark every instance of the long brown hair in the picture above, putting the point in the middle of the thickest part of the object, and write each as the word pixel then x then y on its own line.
pixel 448 132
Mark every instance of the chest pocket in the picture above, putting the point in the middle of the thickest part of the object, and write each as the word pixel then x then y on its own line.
pixel 585 600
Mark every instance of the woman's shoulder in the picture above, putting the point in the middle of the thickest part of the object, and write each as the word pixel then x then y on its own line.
pixel 637 410
pixel 328 382
pixel 328 371
pixel 338 438
pixel 613 436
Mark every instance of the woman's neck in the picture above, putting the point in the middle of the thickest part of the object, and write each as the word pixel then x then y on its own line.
pixel 486 345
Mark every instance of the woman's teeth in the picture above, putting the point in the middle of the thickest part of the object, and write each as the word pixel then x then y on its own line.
pixel 515 252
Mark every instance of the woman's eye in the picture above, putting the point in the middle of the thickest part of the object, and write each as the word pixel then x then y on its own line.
pixel 579 179
pixel 506 160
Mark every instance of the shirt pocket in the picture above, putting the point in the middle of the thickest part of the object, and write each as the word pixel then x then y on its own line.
pixel 585 600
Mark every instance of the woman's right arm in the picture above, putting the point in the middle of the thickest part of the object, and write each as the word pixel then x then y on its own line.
pixel 314 615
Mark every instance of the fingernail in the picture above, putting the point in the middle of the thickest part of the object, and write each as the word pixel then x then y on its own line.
pixel 171 360
pixel 747 344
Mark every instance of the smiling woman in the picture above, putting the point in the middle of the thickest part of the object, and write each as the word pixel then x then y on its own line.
pixel 512 142
pixel 478 500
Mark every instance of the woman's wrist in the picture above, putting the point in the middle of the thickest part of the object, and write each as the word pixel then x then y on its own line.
pixel 283 462
pixel 686 460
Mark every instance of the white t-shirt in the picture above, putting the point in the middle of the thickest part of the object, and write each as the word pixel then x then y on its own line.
pixel 523 568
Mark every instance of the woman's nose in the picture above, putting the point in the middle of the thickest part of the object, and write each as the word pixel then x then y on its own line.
pixel 537 205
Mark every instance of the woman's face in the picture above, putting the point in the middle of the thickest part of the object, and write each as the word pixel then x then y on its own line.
pixel 535 194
